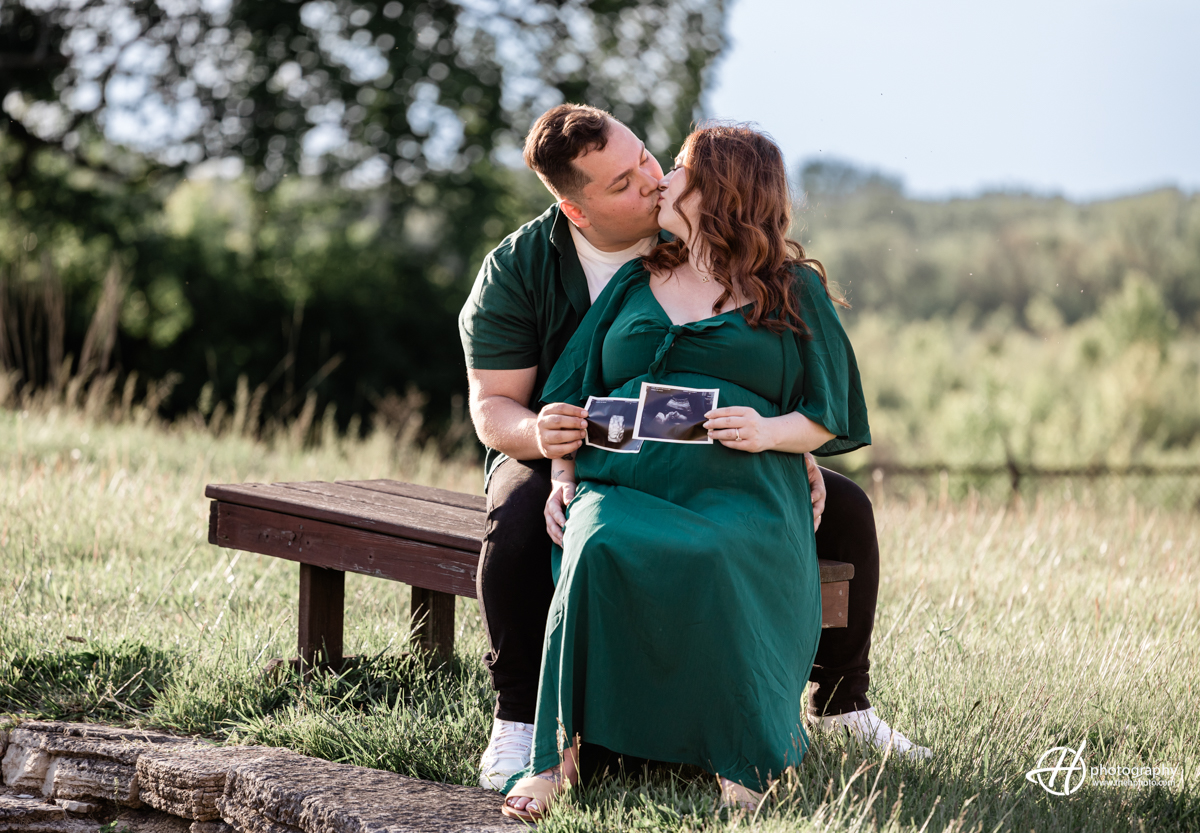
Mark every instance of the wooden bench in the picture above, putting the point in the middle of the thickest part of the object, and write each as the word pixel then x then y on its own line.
pixel 424 537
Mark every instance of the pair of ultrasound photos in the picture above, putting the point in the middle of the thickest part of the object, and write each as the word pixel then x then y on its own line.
pixel 662 413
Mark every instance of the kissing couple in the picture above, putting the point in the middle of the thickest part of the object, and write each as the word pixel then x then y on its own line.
pixel 665 604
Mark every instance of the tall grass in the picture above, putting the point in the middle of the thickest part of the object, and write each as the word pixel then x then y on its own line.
pixel 1002 631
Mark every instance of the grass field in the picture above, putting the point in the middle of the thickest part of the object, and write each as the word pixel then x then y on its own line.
pixel 1002 632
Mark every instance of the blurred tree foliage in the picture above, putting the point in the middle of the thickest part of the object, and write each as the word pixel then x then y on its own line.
pixel 372 150
pixel 1016 255
pixel 1015 328
pixel 1106 391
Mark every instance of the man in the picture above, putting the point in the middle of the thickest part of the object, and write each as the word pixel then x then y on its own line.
pixel 528 299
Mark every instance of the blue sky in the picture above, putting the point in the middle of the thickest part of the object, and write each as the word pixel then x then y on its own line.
pixel 1086 99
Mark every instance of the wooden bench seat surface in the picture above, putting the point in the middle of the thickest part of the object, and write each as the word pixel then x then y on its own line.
pixel 396 510
pixel 373 505
pixel 428 494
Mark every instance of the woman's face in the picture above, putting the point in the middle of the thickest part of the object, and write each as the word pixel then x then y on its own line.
pixel 671 212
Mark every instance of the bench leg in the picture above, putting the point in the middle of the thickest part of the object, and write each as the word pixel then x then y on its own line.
pixel 322 603
pixel 835 604
pixel 433 621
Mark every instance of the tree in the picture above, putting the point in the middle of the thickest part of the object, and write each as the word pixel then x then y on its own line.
pixel 342 86
pixel 410 113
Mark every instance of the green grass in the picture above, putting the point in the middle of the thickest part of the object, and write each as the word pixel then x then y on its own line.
pixel 1001 632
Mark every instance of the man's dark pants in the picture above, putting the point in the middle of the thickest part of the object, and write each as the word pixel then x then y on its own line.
pixel 515 590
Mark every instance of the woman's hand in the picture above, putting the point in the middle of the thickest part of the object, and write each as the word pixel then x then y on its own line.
pixel 744 429
pixel 560 429
pixel 741 428
pixel 562 491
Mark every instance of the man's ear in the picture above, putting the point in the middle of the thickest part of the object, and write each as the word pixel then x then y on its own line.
pixel 575 214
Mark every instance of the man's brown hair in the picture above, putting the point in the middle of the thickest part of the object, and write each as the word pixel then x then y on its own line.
pixel 558 138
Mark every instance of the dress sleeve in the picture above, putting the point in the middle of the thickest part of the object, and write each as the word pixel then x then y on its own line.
pixel 827 388
pixel 498 323
pixel 578 373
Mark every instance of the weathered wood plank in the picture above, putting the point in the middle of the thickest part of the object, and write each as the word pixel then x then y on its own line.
pixel 425 493
pixel 835 570
pixel 433 621
pixel 835 603
pixel 322 608
pixel 442 517
pixel 212 522
pixel 346 548
pixel 356 494
pixel 429 522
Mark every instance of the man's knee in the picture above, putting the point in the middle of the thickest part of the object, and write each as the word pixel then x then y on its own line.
pixel 846 498
pixel 515 539
pixel 518 490
pixel 847 531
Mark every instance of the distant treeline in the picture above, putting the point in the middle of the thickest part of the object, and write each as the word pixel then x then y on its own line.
pixel 1117 389
pixel 1022 256
pixel 1013 329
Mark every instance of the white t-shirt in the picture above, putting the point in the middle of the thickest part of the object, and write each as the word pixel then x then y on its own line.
pixel 598 266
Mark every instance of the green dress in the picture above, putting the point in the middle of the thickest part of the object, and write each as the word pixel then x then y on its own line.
pixel 688 606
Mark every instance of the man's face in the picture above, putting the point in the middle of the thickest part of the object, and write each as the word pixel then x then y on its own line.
pixel 620 202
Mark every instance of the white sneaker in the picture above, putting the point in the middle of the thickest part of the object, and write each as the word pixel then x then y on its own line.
pixel 867 727
pixel 507 753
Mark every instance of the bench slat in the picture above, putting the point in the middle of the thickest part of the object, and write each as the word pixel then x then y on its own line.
pixel 835 570
pixel 425 493
pixel 432 523
pixel 345 548
pixel 464 519
pixel 466 524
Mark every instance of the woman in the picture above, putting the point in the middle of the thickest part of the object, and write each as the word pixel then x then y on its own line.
pixel 687 609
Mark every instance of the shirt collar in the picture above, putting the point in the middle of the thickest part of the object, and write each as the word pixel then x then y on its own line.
pixel 574 281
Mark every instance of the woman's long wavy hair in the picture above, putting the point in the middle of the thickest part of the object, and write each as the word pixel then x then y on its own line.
pixel 745 207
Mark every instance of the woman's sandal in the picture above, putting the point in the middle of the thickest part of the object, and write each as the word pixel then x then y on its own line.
pixel 542 788
pixel 736 797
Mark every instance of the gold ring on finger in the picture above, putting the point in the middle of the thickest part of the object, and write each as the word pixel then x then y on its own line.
pixel 738 432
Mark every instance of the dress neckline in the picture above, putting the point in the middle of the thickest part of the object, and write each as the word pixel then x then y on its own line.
pixel 663 312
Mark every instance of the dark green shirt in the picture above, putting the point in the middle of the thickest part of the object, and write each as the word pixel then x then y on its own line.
pixel 527 302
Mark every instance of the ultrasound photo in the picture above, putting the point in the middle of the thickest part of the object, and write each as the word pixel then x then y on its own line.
pixel 610 424
pixel 670 414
